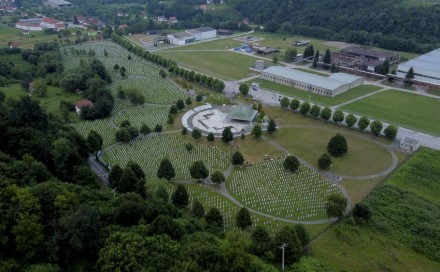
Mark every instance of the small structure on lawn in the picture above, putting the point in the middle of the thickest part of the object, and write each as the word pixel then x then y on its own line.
pixel 267 50
pixel 301 43
pixel 259 65
pixel 242 114
pixel 81 104
pixel 409 144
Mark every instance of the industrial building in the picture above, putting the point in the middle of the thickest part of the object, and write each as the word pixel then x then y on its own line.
pixel 426 68
pixel 363 58
pixel 190 35
pixel 328 86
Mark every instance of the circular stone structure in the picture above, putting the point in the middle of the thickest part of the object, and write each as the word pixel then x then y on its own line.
pixel 215 119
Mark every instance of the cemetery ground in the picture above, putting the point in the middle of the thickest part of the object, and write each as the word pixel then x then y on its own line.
pixel 402 234
pixel 301 196
pixel 401 108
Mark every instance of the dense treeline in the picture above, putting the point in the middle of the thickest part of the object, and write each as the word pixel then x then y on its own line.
pixel 210 82
pixel 56 216
pixel 389 24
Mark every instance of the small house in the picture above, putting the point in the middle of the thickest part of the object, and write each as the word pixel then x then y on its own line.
pixel 81 104
pixel 13 45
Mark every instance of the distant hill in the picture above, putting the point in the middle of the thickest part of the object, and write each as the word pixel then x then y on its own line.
pixel 392 24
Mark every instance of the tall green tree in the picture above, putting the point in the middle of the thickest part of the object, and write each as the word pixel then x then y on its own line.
pixel 243 88
pixel 198 170
pixel 284 102
pixel 338 116
pixel 197 209
pixel 336 205
pixel 166 170
pixel 214 219
pixel 180 197
pixel 305 108
pixel 390 132
pixel 227 135
pixel 261 241
pixel 350 120
pixel 243 218
pixel 272 126
pixel 316 59
pixel 237 158
pixel 315 111
pixel 363 123
pixel 409 76
pixel 324 161
pixel 217 177
pixel 256 131
pixel 376 127
pixel 196 134
pixel 290 54
pixel 292 252
pixel 327 59
pixel 291 163
pixel 294 104
pixel 337 146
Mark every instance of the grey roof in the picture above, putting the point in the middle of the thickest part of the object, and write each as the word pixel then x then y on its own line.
pixel 59 2
pixel 429 61
pixel 242 113
pixel 347 78
pixel 181 35
pixel 200 30
pixel 358 50
pixel 328 83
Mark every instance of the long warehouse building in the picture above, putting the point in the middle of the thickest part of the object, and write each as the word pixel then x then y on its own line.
pixel 426 67
pixel 328 86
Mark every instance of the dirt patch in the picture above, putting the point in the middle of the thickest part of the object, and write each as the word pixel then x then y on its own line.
pixel 339 45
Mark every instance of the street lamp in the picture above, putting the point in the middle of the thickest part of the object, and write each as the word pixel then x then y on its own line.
pixel 283 247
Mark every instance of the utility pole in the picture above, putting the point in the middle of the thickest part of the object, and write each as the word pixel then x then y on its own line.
pixel 283 247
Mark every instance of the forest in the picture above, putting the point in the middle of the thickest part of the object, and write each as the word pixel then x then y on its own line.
pixel 390 24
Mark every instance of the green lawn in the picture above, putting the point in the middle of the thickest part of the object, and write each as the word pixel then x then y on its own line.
pixel 223 65
pixel 8 34
pixel 316 98
pixel 405 109
pixel 402 234
pixel 363 157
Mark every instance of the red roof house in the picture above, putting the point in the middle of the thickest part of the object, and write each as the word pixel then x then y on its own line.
pixel 81 104
pixel 15 45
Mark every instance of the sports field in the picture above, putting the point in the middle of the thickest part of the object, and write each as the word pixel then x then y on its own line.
pixel 221 64
pixel 401 108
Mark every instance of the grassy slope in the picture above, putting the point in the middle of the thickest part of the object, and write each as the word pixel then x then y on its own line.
pixel 223 65
pixel 8 34
pixel 409 110
pixel 404 228
pixel 316 98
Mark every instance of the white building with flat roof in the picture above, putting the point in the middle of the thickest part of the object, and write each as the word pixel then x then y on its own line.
pixel 329 86
pixel 190 35
pixel 426 67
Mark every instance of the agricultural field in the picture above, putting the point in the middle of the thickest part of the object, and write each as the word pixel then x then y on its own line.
pixel 269 188
pixel 221 64
pixel 101 126
pixel 149 152
pixel 309 143
pixel 141 74
pixel 402 234
pixel 9 34
pixel 151 115
pixel 316 98
pixel 401 108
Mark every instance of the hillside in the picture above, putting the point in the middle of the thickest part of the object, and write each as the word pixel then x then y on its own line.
pixel 403 233
pixel 391 24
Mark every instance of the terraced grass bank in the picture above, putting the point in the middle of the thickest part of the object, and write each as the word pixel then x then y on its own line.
pixel 403 234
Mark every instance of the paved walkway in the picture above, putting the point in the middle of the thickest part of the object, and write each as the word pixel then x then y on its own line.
pixel 359 98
